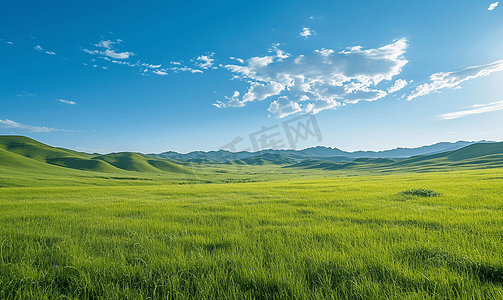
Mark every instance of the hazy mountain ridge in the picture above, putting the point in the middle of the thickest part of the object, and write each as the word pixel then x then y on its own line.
pixel 22 153
pixel 320 153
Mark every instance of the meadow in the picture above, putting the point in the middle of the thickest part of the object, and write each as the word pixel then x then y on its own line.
pixel 287 236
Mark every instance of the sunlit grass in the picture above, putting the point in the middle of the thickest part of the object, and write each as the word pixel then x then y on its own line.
pixel 325 238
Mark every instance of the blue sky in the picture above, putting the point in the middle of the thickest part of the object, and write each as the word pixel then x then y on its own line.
pixel 154 76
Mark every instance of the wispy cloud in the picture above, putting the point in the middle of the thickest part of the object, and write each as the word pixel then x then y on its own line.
pixel 399 84
pixel 105 44
pixel 106 48
pixel 185 69
pixel 452 80
pixel 66 102
pixel 238 59
pixel 10 43
pixel 493 6
pixel 14 125
pixel 481 108
pixel 151 66
pixel 159 72
pixel 25 94
pixel 110 53
pixel 322 80
pixel 40 49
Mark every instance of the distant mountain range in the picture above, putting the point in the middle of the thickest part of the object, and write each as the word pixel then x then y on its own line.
pixel 18 153
pixel 316 153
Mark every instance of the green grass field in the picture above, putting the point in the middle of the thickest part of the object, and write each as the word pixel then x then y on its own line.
pixel 295 237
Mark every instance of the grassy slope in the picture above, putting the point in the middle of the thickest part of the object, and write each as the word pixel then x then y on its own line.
pixel 35 150
pixel 332 238
pixel 26 162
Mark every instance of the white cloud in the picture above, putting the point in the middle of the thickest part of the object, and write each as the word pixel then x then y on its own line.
pixel 399 84
pixel 11 124
pixel 453 79
pixel 219 104
pixel 482 108
pixel 323 80
pixel 40 49
pixel 205 61
pixel 109 50
pixel 280 54
pixel 185 69
pixel 259 91
pixel 305 32
pixel 113 54
pixel 105 44
pixel 493 6
pixel 151 66
pixel 238 59
pixel 159 72
pixel 67 102
pixel 283 107
pixel 25 94
pixel 233 101
pixel 10 43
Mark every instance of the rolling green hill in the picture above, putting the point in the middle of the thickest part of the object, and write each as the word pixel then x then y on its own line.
pixel 35 150
pixel 128 161
pixel 29 159
pixel 26 162
pixel 82 164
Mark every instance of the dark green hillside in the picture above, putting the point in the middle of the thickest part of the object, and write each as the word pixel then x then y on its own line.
pixel 83 164
pixel 128 161
pixel 476 150
pixel 269 158
pixel 35 150
pixel 374 160
pixel 18 162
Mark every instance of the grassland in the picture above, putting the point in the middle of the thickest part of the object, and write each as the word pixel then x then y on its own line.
pixel 295 237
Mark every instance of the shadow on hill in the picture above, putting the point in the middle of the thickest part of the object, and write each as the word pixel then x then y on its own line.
pixel 82 164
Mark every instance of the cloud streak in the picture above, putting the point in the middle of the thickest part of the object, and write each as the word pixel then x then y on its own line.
pixel 452 80
pixel 14 125
pixel 10 43
pixel 480 108
pixel 325 79
pixel 493 6
pixel 66 102
pixel 107 49
pixel 40 49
